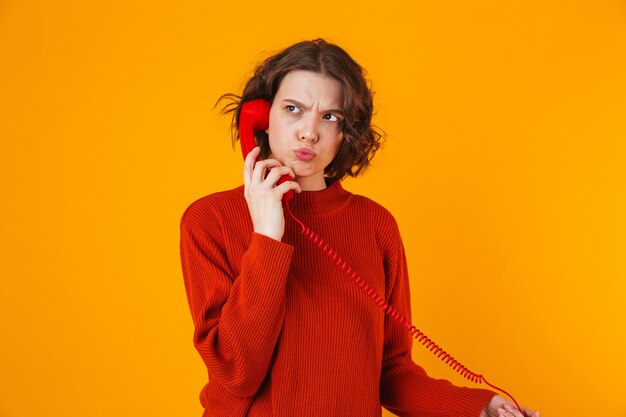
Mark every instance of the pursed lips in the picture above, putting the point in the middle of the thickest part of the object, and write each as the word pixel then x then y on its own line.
pixel 304 154
pixel 308 151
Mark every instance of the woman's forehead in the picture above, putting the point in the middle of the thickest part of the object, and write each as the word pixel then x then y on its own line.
pixel 307 87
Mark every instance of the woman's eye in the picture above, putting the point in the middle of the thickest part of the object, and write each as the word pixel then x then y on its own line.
pixel 336 119
pixel 291 108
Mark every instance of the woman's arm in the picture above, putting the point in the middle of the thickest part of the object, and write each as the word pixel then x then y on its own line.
pixel 237 319
pixel 405 388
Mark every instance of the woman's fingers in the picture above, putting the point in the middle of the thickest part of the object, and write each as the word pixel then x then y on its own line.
pixel 505 412
pixel 254 172
pixel 512 410
pixel 258 175
pixel 288 185
pixel 527 411
pixel 276 171
pixel 248 165
pixel 530 413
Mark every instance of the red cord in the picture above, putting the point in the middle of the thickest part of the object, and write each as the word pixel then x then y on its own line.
pixel 392 312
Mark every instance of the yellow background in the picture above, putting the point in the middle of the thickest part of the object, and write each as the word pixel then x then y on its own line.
pixel 504 166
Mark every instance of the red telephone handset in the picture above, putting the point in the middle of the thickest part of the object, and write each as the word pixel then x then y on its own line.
pixel 253 117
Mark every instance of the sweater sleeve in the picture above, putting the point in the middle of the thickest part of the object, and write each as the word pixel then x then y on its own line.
pixel 237 319
pixel 405 388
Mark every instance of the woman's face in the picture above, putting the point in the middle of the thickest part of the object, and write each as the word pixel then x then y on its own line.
pixel 304 130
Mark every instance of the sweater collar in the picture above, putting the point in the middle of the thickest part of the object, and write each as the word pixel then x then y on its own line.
pixel 320 202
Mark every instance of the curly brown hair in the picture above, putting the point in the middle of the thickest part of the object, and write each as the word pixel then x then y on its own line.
pixel 361 138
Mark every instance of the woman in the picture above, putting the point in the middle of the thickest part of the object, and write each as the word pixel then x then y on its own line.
pixel 280 328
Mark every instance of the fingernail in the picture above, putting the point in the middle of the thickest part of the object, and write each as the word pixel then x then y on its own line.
pixel 508 407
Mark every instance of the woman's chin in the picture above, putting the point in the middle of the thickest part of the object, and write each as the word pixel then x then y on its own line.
pixel 300 173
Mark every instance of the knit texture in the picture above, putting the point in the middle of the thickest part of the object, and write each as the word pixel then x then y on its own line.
pixel 284 332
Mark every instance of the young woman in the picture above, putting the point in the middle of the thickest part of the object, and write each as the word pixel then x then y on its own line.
pixel 281 329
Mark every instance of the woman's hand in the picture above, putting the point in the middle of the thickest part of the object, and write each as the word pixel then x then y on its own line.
pixel 501 407
pixel 262 195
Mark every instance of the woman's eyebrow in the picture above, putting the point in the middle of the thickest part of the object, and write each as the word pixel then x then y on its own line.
pixel 297 103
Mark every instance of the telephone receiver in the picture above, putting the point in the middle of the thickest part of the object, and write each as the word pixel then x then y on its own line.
pixel 253 117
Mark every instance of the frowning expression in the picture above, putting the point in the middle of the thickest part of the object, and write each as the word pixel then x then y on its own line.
pixel 305 125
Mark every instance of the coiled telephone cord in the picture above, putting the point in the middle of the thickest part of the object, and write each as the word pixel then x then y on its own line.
pixel 391 311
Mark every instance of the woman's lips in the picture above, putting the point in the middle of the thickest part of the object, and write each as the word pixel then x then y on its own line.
pixel 304 154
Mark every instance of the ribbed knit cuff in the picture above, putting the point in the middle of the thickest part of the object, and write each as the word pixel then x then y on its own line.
pixel 267 260
pixel 277 249
pixel 477 399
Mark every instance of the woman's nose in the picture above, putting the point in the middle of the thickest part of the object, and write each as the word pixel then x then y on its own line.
pixel 309 129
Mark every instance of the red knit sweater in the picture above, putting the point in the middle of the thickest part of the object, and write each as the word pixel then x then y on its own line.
pixel 281 329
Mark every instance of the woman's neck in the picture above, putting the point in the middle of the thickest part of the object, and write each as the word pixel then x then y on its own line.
pixel 311 184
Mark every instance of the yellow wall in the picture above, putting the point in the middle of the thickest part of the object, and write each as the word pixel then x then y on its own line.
pixel 504 168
